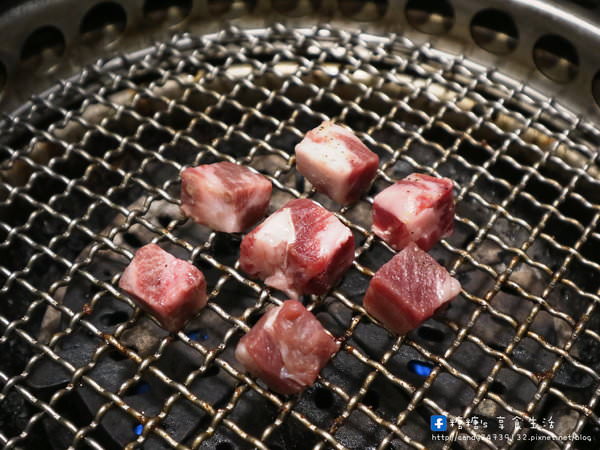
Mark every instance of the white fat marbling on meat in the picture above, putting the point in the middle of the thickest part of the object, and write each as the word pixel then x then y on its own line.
pixel 332 153
pixel 326 163
pixel 214 206
pixel 271 316
pixel 276 230
pixel 402 201
pixel 448 289
pixel 332 236
pixel 272 240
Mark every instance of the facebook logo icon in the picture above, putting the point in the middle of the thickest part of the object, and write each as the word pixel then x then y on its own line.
pixel 438 423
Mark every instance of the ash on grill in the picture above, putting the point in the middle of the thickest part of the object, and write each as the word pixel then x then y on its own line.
pixel 91 172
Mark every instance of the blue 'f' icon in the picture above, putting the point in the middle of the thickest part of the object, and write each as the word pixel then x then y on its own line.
pixel 438 423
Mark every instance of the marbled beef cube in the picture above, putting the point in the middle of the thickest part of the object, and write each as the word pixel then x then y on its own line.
pixel 408 289
pixel 336 162
pixel 301 249
pixel 287 348
pixel 224 196
pixel 417 209
pixel 169 288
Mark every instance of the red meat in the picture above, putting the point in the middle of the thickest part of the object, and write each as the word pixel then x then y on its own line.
pixel 287 348
pixel 224 196
pixel 336 162
pixel 301 249
pixel 408 289
pixel 169 288
pixel 417 209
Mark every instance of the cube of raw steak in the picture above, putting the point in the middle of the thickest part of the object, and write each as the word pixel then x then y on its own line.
pixel 336 162
pixel 224 196
pixel 287 348
pixel 301 249
pixel 169 288
pixel 408 289
pixel 417 209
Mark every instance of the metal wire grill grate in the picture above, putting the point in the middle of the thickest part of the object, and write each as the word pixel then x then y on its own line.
pixel 91 170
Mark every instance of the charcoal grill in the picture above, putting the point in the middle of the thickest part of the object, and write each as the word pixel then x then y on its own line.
pixel 105 103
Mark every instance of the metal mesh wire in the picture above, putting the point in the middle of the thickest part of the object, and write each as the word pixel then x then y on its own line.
pixel 527 228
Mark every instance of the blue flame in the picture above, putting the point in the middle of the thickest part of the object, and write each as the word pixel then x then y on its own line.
pixel 138 429
pixel 197 335
pixel 420 368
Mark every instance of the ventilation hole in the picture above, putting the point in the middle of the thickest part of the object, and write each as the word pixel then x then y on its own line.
pixel 556 58
pixel 363 10
pixel 431 334
pixel 497 388
pixel 133 240
pixel 430 16
pixel 494 31
pixel 164 221
pixel 114 318
pixel 212 371
pixel 43 47
pixel 371 399
pixel 221 7
pixel 294 8
pixel 323 398
pixel 103 23
pixel 225 446
pixel 596 88
pixel 3 77
pixel 169 12
pixel 421 368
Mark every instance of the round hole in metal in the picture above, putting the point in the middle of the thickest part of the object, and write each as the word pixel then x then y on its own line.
pixel 295 8
pixel 104 22
pixel 3 76
pixel 43 47
pixel 495 31
pixel 167 11
pixel 556 58
pixel 596 88
pixel 323 398
pixel 363 10
pixel 430 16
pixel 221 7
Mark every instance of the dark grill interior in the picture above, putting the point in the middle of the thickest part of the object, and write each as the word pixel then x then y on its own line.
pixel 90 173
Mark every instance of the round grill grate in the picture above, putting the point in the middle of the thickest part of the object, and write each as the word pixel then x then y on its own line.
pixel 90 172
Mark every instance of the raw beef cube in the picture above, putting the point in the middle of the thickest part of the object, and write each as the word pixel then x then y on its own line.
pixel 418 209
pixel 224 196
pixel 301 249
pixel 336 162
pixel 287 348
pixel 169 288
pixel 408 289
